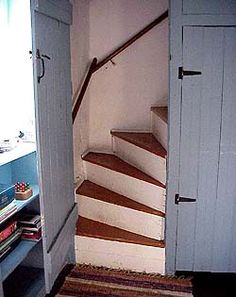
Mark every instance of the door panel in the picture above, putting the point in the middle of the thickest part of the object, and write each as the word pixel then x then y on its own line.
pixel 225 236
pixel 199 145
pixel 219 7
pixel 54 134
pixel 189 137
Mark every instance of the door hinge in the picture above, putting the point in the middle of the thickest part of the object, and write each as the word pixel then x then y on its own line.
pixel 183 199
pixel 183 73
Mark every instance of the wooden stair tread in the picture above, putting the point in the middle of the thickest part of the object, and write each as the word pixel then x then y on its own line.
pixel 114 163
pixel 162 112
pixel 90 228
pixel 143 140
pixel 95 191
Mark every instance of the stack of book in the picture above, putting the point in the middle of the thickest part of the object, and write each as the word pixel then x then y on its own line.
pixel 9 237
pixel 31 227
pixel 7 202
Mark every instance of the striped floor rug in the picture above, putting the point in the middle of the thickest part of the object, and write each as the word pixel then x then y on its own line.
pixel 90 281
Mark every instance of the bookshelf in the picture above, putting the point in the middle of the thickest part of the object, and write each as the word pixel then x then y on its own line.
pixel 16 257
pixel 22 167
pixel 19 151
pixel 25 282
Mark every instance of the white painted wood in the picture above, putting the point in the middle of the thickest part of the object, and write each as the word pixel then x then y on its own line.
pixel 209 20
pixel 224 249
pixel 201 118
pixel 210 119
pixel 174 97
pixel 159 129
pixel 60 249
pixel 190 116
pixel 122 255
pixel 144 160
pixel 60 10
pixel 177 20
pixel 122 217
pixel 221 7
pixel 138 190
pixel 54 133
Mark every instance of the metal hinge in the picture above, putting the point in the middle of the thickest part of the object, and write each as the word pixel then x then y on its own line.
pixel 183 199
pixel 183 73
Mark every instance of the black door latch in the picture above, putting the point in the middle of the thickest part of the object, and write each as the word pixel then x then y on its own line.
pixel 183 73
pixel 183 199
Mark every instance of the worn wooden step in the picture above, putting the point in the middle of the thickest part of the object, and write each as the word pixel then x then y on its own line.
pixel 103 245
pixel 143 151
pixel 95 229
pixel 145 141
pixel 95 191
pixel 105 206
pixel 161 111
pixel 116 175
pixel 114 163
pixel 160 124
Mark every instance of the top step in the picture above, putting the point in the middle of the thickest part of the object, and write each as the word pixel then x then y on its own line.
pixel 112 162
pixel 145 141
pixel 162 112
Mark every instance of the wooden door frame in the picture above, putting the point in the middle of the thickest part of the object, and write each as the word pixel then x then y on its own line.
pixel 176 22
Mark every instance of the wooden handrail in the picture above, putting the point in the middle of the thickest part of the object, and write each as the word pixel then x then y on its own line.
pixel 132 40
pixel 83 89
pixel 96 66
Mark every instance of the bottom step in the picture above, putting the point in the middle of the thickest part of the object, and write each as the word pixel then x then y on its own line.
pixel 103 245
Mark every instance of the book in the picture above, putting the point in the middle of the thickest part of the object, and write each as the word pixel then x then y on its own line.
pixel 34 236
pixel 7 242
pixel 9 207
pixel 30 220
pixel 8 211
pixel 7 231
pixel 31 229
pixel 7 193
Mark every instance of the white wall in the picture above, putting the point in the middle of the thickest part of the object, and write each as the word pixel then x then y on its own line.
pixel 121 95
pixel 79 62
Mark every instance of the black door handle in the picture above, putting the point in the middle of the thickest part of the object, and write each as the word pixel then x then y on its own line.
pixel 183 199
pixel 41 58
pixel 183 73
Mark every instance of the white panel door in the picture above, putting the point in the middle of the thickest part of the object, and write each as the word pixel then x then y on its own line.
pixel 205 124
pixel 51 54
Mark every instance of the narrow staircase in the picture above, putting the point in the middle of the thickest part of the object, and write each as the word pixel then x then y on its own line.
pixel 122 201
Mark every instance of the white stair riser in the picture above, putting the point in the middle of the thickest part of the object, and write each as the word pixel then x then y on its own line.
pixel 119 255
pixel 160 130
pixel 148 162
pixel 122 217
pixel 139 190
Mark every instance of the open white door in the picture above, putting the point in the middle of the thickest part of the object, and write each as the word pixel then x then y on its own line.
pixel 206 238
pixel 51 53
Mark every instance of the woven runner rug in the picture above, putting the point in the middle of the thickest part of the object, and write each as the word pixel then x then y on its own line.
pixel 90 281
